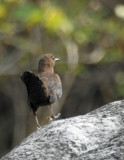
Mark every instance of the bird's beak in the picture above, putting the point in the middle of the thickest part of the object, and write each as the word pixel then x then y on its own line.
pixel 57 59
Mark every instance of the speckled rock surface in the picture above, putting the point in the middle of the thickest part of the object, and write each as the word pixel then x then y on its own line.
pixel 98 135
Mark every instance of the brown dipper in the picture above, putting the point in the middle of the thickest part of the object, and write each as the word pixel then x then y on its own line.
pixel 44 88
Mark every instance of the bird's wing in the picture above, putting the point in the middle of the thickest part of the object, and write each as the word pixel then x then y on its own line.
pixel 35 88
pixel 28 76
pixel 55 88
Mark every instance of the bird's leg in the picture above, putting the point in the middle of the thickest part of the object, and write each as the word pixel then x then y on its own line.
pixel 53 116
pixel 35 114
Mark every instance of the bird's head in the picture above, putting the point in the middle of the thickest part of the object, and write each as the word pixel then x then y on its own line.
pixel 46 63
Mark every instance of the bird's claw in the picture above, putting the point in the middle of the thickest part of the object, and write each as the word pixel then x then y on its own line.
pixel 51 118
pixel 38 127
pixel 55 117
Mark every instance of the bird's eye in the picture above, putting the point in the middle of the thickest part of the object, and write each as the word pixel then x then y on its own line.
pixel 53 58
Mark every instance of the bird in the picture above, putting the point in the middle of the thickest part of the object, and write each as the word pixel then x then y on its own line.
pixel 43 88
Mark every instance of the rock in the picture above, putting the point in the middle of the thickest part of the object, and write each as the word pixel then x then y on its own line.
pixel 98 135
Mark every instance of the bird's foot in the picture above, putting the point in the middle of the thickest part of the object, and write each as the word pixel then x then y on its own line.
pixel 55 117
pixel 51 118
pixel 38 127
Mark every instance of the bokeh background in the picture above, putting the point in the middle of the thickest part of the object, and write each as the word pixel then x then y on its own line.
pixel 88 37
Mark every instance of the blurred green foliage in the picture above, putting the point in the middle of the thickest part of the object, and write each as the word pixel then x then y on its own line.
pixel 33 27
pixel 29 28
pixel 82 22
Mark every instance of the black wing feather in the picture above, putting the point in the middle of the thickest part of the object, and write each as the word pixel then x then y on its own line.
pixel 35 89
